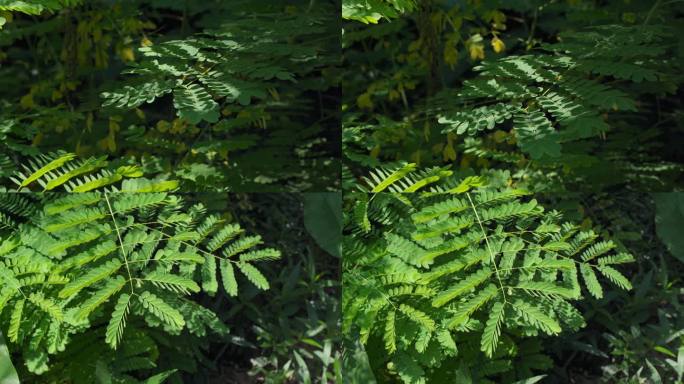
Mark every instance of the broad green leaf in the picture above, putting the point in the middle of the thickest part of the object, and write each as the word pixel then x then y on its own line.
pixel 670 221
pixel 228 278
pixel 8 375
pixel 323 220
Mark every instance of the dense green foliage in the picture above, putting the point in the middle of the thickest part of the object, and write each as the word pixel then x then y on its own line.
pixel 577 95
pixel 440 277
pixel 512 180
pixel 88 266
pixel 159 285
pixel 577 103
pixel 135 109
pixel 224 95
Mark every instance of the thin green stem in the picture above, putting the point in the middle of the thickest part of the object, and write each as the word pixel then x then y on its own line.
pixel 118 234
pixel 489 248
pixel 186 243
pixel 650 12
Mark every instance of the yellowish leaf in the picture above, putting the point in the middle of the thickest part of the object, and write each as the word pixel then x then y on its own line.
pixel 437 148
pixel 26 101
pixel 465 161
pixel 586 224
pixel 500 136
pixel 110 143
pixel 415 157
pixel 482 162
pixel 476 51
pixel 113 126
pixel 629 17
pixel 162 126
pixel 7 16
pixel 129 171
pixel 177 126
pixel 450 55
pixel 449 153
pixel 37 139
pixel 499 20
pixel 127 54
pixel 364 101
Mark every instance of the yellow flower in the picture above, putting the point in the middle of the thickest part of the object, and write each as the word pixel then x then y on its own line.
pixel 498 45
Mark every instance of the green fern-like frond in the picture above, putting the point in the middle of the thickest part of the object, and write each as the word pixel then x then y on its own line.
pixel 161 309
pixel 463 286
pixel 480 262
pixel 117 323
pixel 390 335
pixel 171 282
pixel 62 170
pixel 82 260
pixel 109 289
pixel 553 99
pixel 46 305
pixel 254 275
pixel 90 277
pixel 591 281
pixel 15 320
pixel 492 330
pixel 614 276
pixel 536 317
pixel 228 277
